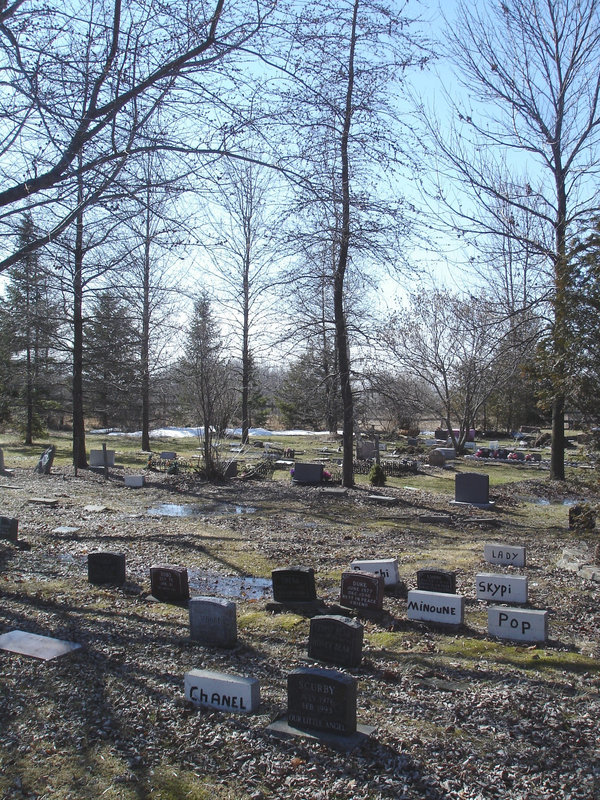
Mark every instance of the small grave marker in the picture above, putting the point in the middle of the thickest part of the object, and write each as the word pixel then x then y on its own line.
pixel 386 567
pixel 168 455
pixel 444 609
pixel 106 568
pixel 134 481
pixel 213 621
pixel 294 585
pixel 307 473
pixel 97 458
pixel 436 580
pixel 44 465
pixel 9 529
pixel 517 624
pixel 336 640
pixel 36 646
pixel 472 488
pixel 362 590
pixel 511 555
pixel 501 588
pixel 169 583
pixel 221 691
pixel 322 700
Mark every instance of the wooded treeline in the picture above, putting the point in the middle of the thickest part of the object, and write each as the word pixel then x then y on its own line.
pixel 211 213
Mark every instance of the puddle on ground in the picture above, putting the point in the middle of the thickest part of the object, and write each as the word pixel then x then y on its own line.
pixel 542 501
pixel 188 510
pixel 229 585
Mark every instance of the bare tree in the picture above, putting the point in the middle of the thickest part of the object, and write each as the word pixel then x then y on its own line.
pixel 526 143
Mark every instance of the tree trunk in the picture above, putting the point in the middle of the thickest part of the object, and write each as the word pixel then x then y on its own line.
pixel 145 343
pixel 245 343
pixel 79 454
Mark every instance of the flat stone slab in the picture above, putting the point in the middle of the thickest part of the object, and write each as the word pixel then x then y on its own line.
pixel 490 504
pixel 435 518
pixel 334 491
pixel 95 509
pixel 65 529
pixel 383 499
pixel 49 502
pixel 36 646
pixel 346 744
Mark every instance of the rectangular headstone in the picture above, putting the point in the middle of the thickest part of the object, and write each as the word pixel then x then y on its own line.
pixel 224 692
pixel 213 621
pixel 436 580
pixel 444 609
pixel 362 590
pixel 97 458
pixel 501 588
pixel 9 528
pixel 336 640
pixel 169 583
pixel 106 568
pixel 322 700
pixel 508 554
pixel 472 487
pixel 168 455
pixel 307 473
pixel 517 624
pixel 386 567
pixel 135 481
pixel 231 470
pixel 294 585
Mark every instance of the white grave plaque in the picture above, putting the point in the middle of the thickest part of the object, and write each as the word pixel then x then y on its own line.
pixel 446 609
pixel 224 692
pixel 517 624
pixel 386 567
pixel 507 554
pixel 501 588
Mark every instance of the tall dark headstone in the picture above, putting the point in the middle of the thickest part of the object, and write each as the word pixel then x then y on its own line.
pixel 436 580
pixel 308 473
pixel 362 590
pixel 336 640
pixel 169 583
pixel 472 487
pixel 106 568
pixel 322 700
pixel 9 528
pixel 294 585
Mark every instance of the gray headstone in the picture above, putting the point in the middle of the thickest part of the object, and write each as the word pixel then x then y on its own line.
pixel 213 621
pixel 9 528
pixel 472 487
pixel 511 555
pixel 336 640
pixel 224 692
pixel 517 624
pixel 501 588
pixel 134 481
pixel 169 583
pixel 168 455
pixel 97 458
pixel 362 590
pixel 436 580
pixel 322 700
pixel 308 473
pixel 386 567
pixel 294 585
pixel 44 465
pixel 106 568
pixel 444 609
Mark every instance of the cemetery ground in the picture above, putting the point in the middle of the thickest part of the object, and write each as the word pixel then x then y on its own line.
pixel 458 715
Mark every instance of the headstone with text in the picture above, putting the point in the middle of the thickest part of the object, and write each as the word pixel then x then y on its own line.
pixel 517 624
pixel 224 692
pixel 443 609
pixel 336 640
pixel 322 700
pixel 294 585
pixel 501 588
pixel 507 554
pixel 386 567
pixel 106 567
pixel 362 590
pixel 213 621
pixel 169 583
pixel 436 580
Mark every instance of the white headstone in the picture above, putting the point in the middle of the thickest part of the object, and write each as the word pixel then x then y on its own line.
pixel 224 692
pixel 501 588
pixel 97 458
pixel 447 609
pixel 512 555
pixel 386 567
pixel 517 624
